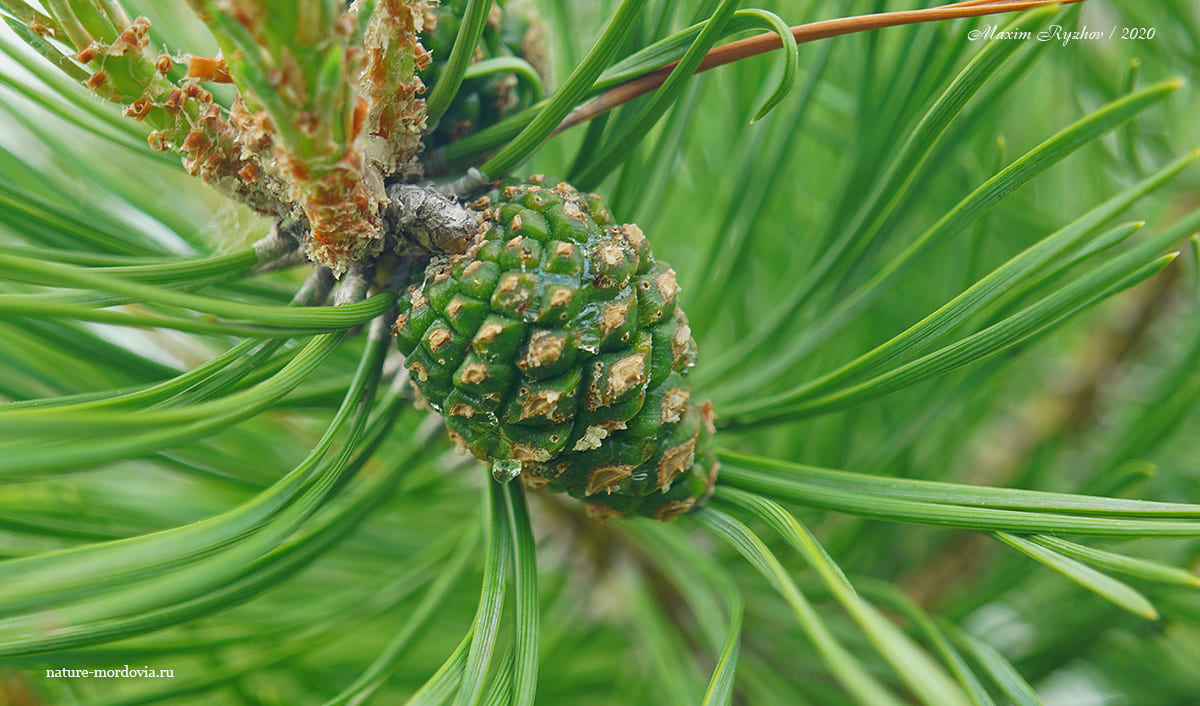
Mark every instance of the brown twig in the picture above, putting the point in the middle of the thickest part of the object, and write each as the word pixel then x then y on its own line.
pixel 762 43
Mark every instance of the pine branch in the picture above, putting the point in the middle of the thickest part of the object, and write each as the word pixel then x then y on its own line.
pixel 769 41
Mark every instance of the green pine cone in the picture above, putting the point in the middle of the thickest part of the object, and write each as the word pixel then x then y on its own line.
pixel 556 341
pixel 484 101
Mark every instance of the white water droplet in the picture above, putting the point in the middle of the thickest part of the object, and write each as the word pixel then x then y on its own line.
pixel 505 471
